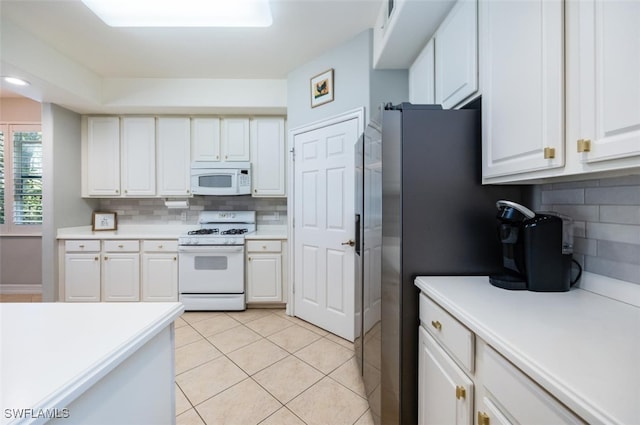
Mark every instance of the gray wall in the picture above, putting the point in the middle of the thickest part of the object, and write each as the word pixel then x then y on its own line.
pixel 20 263
pixel 606 216
pixel 62 204
pixel 356 84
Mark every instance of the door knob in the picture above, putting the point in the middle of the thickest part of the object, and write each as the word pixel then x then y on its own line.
pixel 350 242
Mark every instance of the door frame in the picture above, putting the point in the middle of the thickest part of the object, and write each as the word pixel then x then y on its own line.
pixel 359 115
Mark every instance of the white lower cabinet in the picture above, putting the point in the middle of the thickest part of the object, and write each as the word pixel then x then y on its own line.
pixel 512 396
pixel 121 271
pixel 82 271
pixel 445 392
pixel 159 271
pixel 448 389
pixel 265 271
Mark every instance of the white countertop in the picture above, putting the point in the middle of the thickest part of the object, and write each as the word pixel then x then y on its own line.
pixel 582 347
pixel 127 231
pixel 52 352
pixel 158 231
pixel 269 232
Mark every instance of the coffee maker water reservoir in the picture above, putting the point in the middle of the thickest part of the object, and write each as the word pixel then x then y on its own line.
pixel 537 249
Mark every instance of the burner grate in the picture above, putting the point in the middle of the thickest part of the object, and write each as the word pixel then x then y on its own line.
pixel 204 232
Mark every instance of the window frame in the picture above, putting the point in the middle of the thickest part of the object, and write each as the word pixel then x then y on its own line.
pixel 9 227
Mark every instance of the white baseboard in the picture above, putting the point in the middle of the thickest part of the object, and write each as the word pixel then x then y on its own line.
pixel 21 289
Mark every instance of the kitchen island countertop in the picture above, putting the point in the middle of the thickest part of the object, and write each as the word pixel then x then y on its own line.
pixel 52 353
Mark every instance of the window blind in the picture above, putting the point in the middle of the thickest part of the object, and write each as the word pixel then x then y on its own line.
pixel 27 177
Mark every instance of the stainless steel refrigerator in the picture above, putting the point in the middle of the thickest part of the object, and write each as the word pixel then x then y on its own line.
pixel 420 210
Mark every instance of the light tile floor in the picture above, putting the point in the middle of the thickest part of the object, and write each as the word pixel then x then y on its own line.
pixel 261 366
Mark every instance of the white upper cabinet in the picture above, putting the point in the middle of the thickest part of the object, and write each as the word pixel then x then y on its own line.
pixel 103 156
pixel 174 156
pixel 456 55
pixel 138 156
pixel 205 139
pixel 235 139
pixel 605 66
pixel 268 159
pixel 522 73
pixel 422 76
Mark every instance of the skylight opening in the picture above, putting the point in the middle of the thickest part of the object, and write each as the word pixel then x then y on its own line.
pixel 182 13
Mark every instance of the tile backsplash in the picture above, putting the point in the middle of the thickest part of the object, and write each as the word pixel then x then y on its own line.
pixel 606 216
pixel 269 211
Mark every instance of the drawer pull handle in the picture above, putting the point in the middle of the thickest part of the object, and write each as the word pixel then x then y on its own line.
pixel 106 258
pixel 549 153
pixel 175 258
pixel 436 324
pixel 460 392
pixel 120 246
pixel 95 258
pixel 584 145
pixel 81 246
pixel 160 246
pixel 483 418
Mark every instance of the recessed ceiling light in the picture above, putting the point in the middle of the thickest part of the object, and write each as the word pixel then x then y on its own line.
pixel 16 81
pixel 182 13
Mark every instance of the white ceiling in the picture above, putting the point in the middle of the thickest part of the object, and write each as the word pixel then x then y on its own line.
pixel 301 30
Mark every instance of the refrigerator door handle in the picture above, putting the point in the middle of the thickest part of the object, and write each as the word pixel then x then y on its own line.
pixel 357 234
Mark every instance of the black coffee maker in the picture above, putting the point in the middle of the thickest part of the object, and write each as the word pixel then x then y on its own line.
pixel 536 249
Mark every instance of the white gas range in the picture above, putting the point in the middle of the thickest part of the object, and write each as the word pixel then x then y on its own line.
pixel 211 261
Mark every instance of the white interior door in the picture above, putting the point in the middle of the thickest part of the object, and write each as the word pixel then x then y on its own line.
pixel 324 208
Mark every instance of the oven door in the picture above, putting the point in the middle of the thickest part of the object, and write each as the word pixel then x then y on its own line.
pixel 211 269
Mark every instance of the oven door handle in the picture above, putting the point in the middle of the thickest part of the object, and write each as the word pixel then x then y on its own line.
pixel 213 249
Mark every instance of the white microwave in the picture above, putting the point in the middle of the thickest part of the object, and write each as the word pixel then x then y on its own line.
pixel 220 178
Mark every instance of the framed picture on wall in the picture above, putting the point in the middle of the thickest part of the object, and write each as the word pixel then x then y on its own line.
pixel 322 88
pixel 104 221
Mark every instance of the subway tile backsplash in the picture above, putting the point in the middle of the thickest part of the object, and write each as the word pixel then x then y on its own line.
pixel 606 216
pixel 269 211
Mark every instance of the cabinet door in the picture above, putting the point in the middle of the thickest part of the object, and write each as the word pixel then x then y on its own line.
pixel 445 393
pixel 121 277
pixel 82 277
pixel 103 156
pixel 522 72
pixel 268 166
pixel 264 278
pixel 174 156
pixel 422 76
pixel 205 139
pixel 520 399
pixel 609 78
pixel 138 156
pixel 235 139
pixel 160 277
pixel 456 53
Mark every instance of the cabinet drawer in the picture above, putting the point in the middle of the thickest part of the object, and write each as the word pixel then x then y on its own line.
pixel 264 246
pixel 519 397
pixel 82 246
pixel 454 337
pixel 160 246
pixel 122 246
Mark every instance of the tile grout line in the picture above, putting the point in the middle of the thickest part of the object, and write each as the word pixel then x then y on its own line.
pixel 251 376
